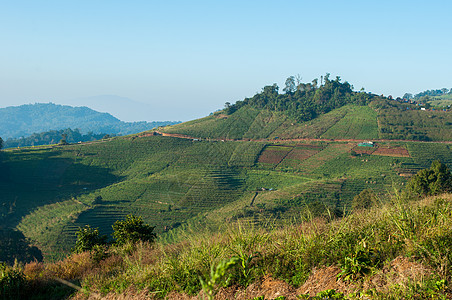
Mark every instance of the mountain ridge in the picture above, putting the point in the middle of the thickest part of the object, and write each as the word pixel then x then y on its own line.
pixel 27 119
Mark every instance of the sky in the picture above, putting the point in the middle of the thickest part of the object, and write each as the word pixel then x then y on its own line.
pixel 181 60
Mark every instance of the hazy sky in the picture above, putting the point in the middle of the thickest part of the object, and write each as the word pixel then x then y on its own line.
pixel 185 59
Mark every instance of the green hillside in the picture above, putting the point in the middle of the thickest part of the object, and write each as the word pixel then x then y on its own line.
pixel 49 192
pixel 270 157
pixel 319 113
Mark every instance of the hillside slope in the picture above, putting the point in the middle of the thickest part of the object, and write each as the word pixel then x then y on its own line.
pixel 380 119
pixel 375 253
pixel 50 191
pixel 24 120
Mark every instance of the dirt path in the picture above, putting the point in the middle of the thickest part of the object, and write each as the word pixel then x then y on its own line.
pixel 182 136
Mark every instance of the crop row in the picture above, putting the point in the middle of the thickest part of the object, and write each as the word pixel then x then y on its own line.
pixel 359 123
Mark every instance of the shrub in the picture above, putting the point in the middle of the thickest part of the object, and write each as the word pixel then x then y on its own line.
pixel 12 282
pixel 132 230
pixel 88 238
pixel 365 199
pixel 433 181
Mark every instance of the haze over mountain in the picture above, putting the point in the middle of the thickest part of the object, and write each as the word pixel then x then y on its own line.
pixel 24 120
pixel 115 105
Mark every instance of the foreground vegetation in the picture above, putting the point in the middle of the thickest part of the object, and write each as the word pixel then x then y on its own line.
pixel 398 247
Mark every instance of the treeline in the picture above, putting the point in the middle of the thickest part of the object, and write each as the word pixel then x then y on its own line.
pixel 24 120
pixel 53 137
pixel 305 101
pixel 433 93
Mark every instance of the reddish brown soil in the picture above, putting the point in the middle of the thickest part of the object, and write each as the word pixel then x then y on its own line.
pixel 394 151
pixel 272 156
pixel 364 150
pixel 302 154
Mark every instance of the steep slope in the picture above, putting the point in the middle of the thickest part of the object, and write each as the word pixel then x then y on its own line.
pixel 248 123
pixel 380 119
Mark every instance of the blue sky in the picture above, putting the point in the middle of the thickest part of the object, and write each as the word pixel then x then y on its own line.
pixel 185 59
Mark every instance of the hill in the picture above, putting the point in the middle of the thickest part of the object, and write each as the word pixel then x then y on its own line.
pixel 115 105
pixel 24 120
pixel 399 248
pixel 253 165
pixel 48 192
pixel 329 111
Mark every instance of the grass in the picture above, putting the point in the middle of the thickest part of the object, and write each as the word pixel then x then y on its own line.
pixel 174 182
pixel 360 122
pixel 415 125
pixel 385 234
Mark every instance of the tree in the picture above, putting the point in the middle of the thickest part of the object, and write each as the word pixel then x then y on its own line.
pixel 327 77
pixel 365 199
pixel 88 238
pixel 433 181
pixel 408 96
pixel 290 85
pixel 132 230
pixel 1 143
pixel 298 79
pixel 315 81
pixel 63 140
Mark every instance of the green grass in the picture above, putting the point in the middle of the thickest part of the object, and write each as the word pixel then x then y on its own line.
pixel 441 101
pixel 409 239
pixel 415 125
pixel 218 126
pixel 174 182
pixel 360 122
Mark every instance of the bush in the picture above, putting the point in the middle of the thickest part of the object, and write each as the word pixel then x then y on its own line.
pixel 433 181
pixel 132 230
pixel 88 238
pixel 12 282
pixel 365 199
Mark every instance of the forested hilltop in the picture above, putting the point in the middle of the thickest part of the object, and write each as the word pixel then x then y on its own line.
pixel 25 120
pixel 305 101
pixel 326 110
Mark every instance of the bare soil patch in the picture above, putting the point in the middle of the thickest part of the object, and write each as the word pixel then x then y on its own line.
pixel 364 150
pixel 273 155
pixel 302 154
pixel 392 151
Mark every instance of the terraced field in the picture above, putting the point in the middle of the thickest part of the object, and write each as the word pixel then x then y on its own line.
pixel 175 183
pixel 360 122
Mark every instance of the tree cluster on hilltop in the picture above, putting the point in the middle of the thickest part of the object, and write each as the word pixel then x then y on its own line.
pixel 433 93
pixel 305 101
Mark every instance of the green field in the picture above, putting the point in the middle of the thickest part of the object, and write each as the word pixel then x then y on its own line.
pixel 441 101
pixel 247 171
pixel 360 122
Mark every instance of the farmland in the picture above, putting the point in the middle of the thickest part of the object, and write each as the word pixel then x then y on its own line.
pixel 245 166
pixel 172 182
pixel 360 122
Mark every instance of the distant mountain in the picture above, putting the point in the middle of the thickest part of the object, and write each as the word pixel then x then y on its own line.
pixel 24 120
pixel 136 111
